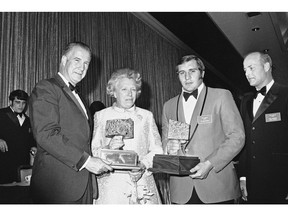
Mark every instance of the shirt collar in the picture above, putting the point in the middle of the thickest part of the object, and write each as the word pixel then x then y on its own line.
pixel 64 79
pixel 269 85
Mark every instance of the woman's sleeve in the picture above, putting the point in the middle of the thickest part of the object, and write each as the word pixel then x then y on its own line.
pixel 154 142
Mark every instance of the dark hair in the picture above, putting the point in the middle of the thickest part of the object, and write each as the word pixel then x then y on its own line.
pixel 188 58
pixel 69 47
pixel 96 106
pixel 19 94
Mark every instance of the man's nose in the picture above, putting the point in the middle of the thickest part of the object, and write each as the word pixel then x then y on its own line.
pixel 187 75
pixel 247 72
pixel 82 66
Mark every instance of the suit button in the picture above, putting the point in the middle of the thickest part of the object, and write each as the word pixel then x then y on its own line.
pixel 253 128
pixel 253 142
pixel 254 157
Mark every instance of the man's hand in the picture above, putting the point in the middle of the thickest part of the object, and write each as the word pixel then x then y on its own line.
pixel 202 170
pixel 98 166
pixel 3 146
pixel 243 189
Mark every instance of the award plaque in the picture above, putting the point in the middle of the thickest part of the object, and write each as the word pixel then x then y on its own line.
pixel 120 159
pixel 120 127
pixel 178 130
pixel 173 164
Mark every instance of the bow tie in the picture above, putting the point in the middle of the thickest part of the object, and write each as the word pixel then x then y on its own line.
pixel 186 95
pixel 261 91
pixel 20 114
pixel 74 88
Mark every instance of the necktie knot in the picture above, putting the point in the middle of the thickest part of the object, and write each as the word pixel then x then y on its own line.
pixel 74 88
pixel 261 91
pixel 186 95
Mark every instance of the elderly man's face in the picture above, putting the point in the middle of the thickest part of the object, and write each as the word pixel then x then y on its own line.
pixel 75 64
pixel 256 72
pixel 190 75
pixel 125 93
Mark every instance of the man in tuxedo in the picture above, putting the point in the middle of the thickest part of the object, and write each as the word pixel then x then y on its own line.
pixel 61 123
pixel 264 160
pixel 16 139
pixel 216 137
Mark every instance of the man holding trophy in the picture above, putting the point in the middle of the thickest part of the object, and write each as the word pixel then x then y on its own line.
pixel 216 136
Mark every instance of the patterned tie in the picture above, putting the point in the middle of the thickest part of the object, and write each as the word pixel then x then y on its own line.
pixel 186 95
pixel 74 88
pixel 261 91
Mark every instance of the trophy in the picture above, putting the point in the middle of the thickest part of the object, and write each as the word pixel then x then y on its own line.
pixel 177 163
pixel 120 127
pixel 120 159
pixel 178 131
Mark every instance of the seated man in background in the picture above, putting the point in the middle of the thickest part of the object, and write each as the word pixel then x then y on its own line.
pixel 16 139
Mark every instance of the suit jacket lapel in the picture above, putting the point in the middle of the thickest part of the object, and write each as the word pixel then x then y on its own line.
pixel 13 117
pixel 271 96
pixel 70 95
pixel 90 119
pixel 249 107
pixel 197 109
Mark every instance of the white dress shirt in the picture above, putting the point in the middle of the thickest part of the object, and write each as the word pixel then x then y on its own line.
pixel 258 100
pixel 20 119
pixel 189 105
pixel 75 94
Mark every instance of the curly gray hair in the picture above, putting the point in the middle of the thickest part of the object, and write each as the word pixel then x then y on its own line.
pixel 120 74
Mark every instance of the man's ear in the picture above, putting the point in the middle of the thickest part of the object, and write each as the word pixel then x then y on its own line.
pixel 267 66
pixel 64 60
pixel 202 74
pixel 10 102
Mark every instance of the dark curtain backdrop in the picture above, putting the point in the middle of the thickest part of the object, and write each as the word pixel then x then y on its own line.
pixel 31 45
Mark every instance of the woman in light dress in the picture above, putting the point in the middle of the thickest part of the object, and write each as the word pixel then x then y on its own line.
pixel 119 186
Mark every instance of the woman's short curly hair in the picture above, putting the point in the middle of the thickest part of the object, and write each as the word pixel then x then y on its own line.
pixel 120 74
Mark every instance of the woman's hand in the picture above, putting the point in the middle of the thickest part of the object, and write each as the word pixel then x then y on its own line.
pixel 116 142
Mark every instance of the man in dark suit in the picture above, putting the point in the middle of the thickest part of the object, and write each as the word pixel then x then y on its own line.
pixel 61 123
pixel 16 137
pixel 264 160
pixel 216 137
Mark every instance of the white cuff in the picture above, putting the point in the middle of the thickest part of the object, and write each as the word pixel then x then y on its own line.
pixel 84 165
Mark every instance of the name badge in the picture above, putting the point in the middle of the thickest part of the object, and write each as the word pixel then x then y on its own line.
pixel 273 117
pixel 204 119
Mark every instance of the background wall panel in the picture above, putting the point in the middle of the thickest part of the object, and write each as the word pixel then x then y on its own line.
pixel 31 45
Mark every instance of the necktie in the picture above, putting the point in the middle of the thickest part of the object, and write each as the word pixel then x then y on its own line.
pixel 186 95
pixel 261 91
pixel 74 88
